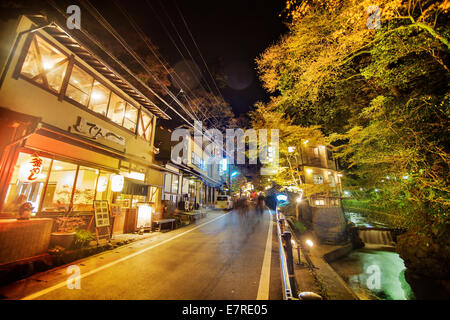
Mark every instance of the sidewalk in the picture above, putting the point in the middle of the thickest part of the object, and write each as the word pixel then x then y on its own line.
pixel 18 270
pixel 315 274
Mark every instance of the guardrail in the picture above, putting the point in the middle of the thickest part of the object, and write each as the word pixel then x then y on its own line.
pixel 286 283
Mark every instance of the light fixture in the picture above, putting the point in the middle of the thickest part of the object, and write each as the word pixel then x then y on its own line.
pixel 299 199
pixel 339 174
pixel 102 184
pixel 291 149
pixel 306 141
pixel 47 64
pixel 309 170
pixel 282 197
pixel 309 243
pixel 96 95
pixel 293 243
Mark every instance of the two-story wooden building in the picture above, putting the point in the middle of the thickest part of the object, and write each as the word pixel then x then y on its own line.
pixel 76 124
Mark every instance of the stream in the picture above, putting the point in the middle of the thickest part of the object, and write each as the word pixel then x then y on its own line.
pixel 376 272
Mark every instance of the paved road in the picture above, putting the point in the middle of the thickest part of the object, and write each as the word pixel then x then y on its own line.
pixel 221 257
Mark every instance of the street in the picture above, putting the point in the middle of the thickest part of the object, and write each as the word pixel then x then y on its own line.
pixel 220 257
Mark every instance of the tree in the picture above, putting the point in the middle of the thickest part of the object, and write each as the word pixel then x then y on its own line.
pixel 380 95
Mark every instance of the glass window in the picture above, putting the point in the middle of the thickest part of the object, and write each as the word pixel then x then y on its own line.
pixel 116 110
pixel 332 181
pixel 318 179
pixel 45 62
pixel 102 186
pixel 145 126
pixel 174 183
pixel 59 188
pixel 99 98
pixel 80 86
pixel 167 182
pixel 85 189
pixel 130 119
pixel 27 182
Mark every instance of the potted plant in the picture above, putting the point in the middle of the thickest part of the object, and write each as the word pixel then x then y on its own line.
pixel 65 235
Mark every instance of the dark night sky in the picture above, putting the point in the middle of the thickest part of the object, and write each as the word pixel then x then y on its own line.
pixel 235 32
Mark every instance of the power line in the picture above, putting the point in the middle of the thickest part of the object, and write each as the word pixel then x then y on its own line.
pixel 198 49
pixel 190 55
pixel 97 16
pixel 149 46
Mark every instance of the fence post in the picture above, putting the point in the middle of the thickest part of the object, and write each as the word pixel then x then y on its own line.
pixel 290 261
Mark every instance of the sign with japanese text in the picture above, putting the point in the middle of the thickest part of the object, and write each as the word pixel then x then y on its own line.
pixel 30 170
pixel 94 131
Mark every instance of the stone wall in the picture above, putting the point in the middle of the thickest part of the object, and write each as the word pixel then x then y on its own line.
pixel 329 224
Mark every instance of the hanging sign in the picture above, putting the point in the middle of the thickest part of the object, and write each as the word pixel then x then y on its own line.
pixel 117 182
pixel 30 170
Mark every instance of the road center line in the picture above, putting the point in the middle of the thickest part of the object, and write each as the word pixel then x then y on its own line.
pixel 264 280
pixel 64 283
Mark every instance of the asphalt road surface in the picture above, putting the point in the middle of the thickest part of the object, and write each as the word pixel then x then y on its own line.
pixel 224 256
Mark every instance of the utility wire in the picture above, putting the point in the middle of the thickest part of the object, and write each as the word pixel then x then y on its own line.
pixel 190 55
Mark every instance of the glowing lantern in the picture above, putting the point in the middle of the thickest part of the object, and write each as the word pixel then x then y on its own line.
pixel 102 184
pixel 144 216
pixel 117 182
pixel 30 170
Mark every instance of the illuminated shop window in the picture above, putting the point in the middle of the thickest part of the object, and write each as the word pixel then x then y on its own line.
pixel 45 64
pixel 60 186
pixel 27 182
pixel 116 110
pixel 145 126
pixel 99 98
pixel 83 196
pixel 131 114
pixel 80 86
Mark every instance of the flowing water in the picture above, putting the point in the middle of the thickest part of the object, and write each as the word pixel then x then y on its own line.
pixel 377 272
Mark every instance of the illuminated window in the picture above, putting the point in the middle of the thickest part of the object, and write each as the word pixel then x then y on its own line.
pixel 80 86
pixel 130 120
pixel 174 183
pixel 332 181
pixel 319 202
pixel 318 179
pixel 145 126
pixel 23 189
pixel 99 98
pixel 316 152
pixel 116 110
pixel 45 64
pixel 60 186
pixel 85 189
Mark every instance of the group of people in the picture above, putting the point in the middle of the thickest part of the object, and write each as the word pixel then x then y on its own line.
pixel 242 204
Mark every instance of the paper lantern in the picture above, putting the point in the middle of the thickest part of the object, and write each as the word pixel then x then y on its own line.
pixel 30 170
pixel 117 181
pixel 102 183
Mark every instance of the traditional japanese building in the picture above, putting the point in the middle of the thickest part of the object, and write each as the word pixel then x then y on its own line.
pixel 76 126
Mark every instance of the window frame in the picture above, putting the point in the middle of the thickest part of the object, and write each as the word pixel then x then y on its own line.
pixel 72 61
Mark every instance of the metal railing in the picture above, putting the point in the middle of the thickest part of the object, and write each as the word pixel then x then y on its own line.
pixel 286 284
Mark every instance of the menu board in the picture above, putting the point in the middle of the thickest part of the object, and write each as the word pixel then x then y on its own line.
pixel 101 213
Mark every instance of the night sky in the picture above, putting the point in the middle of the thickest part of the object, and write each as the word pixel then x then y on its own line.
pixel 230 34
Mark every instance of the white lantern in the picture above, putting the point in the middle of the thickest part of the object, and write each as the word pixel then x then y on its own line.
pixel 117 182
pixel 102 183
